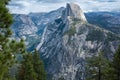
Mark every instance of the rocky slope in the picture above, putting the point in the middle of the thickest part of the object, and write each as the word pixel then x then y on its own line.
pixel 69 40
pixel 25 28
pixel 31 26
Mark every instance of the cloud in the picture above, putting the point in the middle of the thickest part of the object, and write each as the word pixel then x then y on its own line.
pixel 100 5
pixel 27 6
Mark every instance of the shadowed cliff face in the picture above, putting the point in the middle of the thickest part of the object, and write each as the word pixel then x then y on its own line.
pixel 69 40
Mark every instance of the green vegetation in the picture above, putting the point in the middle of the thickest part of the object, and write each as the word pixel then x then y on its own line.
pixel 100 68
pixel 112 37
pixel 38 66
pixel 72 29
pixel 97 68
pixel 26 70
pixel 81 30
pixel 95 35
pixel 10 49
pixel 31 68
pixel 116 65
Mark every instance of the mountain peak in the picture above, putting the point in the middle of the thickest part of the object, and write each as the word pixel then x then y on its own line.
pixel 73 10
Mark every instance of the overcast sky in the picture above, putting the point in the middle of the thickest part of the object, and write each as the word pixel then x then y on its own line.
pixel 27 6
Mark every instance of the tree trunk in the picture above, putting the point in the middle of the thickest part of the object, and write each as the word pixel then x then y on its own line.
pixel 99 74
pixel 118 75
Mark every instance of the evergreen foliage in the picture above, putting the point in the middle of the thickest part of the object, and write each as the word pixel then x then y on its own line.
pixel 98 68
pixel 38 66
pixel 31 68
pixel 26 70
pixel 8 47
pixel 116 65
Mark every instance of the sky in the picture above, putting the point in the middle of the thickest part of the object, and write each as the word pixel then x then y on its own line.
pixel 28 6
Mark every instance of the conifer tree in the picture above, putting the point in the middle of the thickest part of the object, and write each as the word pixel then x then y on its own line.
pixel 97 68
pixel 31 68
pixel 8 47
pixel 26 70
pixel 39 66
pixel 116 65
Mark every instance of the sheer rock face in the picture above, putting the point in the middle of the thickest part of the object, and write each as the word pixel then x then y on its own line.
pixel 30 27
pixel 23 25
pixel 74 11
pixel 66 43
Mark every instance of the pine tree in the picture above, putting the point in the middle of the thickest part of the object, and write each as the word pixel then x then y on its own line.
pixel 31 68
pixel 116 65
pixel 26 70
pixel 39 66
pixel 8 47
pixel 97 68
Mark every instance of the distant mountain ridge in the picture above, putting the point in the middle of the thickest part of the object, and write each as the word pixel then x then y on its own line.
pixel 107 20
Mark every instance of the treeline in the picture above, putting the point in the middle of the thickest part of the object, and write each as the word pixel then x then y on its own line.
pixel 100 68
pixel 30 67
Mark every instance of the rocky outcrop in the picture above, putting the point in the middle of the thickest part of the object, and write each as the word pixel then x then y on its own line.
pixel 23 25
pixel 73 11
pixel 67 42
pixel 25 28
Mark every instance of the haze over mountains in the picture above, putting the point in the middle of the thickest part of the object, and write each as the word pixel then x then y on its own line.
pixel 65 38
